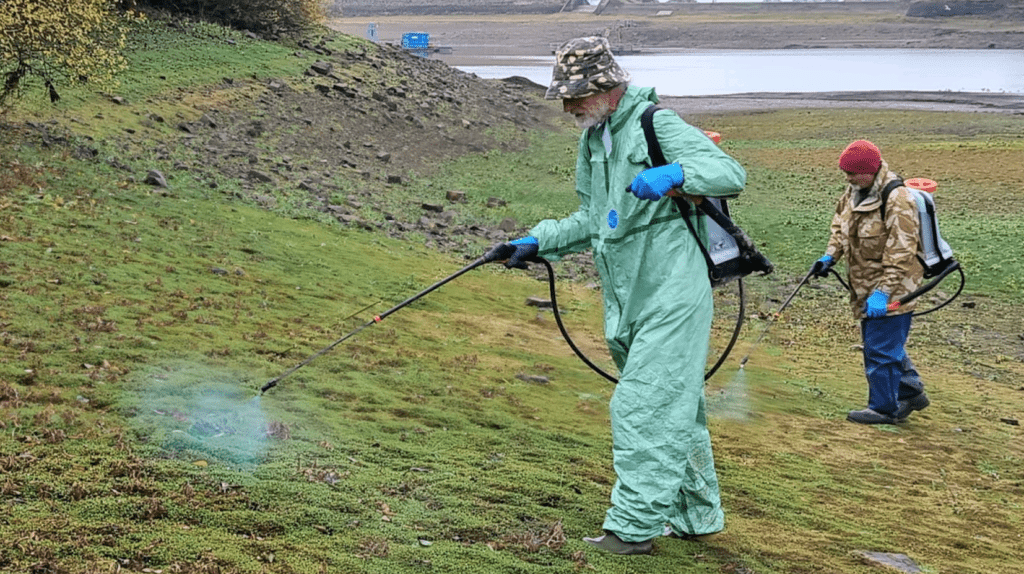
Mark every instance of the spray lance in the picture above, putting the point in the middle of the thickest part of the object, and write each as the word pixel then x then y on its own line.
pixel 776 316
pixel 487 258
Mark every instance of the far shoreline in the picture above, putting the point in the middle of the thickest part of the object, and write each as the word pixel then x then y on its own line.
pixel 494 40
pixel 977 102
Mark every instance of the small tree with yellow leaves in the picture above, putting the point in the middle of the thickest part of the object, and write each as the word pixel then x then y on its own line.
pixel 59 42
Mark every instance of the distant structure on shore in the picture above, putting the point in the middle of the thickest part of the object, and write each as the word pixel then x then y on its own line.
pixel 362 8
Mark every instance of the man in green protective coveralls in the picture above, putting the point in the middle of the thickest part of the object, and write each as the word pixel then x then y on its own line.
pixel 657 295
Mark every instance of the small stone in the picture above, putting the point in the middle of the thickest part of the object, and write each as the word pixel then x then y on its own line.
pixel 900 562
pixel 533 378
pixel 155 177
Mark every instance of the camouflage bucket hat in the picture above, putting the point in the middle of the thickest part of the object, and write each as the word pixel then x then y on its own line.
pixel 584 67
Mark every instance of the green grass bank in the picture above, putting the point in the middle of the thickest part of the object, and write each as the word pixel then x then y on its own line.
pixel 461 434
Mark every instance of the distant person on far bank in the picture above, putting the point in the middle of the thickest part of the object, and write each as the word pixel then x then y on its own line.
pixel 657 295
pixel 880 243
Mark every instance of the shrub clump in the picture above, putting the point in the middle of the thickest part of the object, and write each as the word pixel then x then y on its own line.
pixel 60 42
pixel 263 16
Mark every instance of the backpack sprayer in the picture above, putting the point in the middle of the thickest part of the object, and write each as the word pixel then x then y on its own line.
pixel 935 255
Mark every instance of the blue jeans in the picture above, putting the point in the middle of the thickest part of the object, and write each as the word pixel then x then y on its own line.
pixel 890 373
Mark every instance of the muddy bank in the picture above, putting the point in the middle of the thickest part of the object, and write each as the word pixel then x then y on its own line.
pixel 653 26
pixel 465 40
pixel 885 100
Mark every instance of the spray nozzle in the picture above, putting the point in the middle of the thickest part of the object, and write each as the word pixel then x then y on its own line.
pixel 270 384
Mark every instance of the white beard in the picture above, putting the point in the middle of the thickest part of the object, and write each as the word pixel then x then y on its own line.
pixel 595 116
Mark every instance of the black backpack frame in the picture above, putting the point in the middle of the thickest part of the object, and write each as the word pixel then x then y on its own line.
pixel 733 262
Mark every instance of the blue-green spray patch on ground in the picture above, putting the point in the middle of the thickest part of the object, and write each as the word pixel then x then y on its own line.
pixel 196 412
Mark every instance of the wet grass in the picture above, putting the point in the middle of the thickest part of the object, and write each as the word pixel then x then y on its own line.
pixel 136 329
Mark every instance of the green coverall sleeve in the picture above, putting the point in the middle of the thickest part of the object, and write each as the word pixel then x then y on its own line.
pixel 571 234
pixel 708 170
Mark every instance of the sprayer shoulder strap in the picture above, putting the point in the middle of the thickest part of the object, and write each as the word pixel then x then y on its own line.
pixel 658 159
pixel 653 145
pixel 898 182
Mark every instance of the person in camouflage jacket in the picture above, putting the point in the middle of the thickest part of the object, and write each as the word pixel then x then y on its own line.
pixel 882 264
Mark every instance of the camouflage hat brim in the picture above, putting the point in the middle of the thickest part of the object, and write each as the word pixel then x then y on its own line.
pixel 584 67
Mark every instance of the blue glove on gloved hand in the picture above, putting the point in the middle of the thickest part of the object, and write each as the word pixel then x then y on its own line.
pixel 652 184
pixel 821 266
pixel 514 253
pixel 877 305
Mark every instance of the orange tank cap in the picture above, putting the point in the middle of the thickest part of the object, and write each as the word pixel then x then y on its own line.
pixel 922 183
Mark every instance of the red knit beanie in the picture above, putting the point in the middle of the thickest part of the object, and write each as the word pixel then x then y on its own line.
pixel 861 156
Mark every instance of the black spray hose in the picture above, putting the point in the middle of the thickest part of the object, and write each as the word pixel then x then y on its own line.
pixel 735 332
pixel 599 370
pixel 561 327
pixel 377 319
pixel 953 266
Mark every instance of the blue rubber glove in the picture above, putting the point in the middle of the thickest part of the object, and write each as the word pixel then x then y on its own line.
pixel 514 253
pixel 652 184
pixel 821 266
pixel 877 305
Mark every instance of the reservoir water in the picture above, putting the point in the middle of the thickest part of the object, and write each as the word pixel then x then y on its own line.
pixel 698 73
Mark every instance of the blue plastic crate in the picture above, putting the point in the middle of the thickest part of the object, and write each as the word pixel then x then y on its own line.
pixel 415 40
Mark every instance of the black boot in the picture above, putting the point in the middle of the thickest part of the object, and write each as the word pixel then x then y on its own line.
pixel 870 417
pixel 920 402
pixel 610 542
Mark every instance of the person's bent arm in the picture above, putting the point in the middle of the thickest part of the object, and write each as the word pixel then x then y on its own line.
pixel 708 170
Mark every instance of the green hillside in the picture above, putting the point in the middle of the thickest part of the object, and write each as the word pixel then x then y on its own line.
pixel 138 323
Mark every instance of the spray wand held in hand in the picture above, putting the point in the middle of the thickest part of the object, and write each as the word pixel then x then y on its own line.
pixel 775 316
pixel 953 266
pixel 376 319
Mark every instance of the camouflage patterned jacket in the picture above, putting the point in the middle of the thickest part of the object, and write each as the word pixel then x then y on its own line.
pixel 879 255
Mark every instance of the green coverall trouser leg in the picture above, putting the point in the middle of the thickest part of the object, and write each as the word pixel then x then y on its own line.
pixel 661 445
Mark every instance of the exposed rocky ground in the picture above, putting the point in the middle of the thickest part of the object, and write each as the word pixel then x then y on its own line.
pixel 300 139
pixel 348 128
